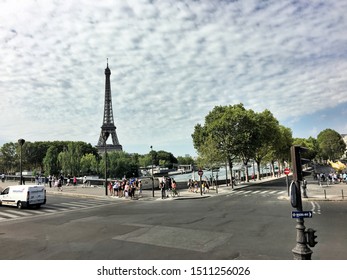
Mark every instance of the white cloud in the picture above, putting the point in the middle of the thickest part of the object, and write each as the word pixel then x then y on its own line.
pixel 171 63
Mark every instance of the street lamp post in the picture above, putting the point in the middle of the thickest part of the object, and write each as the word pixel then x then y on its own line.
pixel 105 136
pixel 152 172
pixel 21 143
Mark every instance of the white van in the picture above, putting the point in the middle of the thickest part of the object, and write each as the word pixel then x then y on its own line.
pixel 23 196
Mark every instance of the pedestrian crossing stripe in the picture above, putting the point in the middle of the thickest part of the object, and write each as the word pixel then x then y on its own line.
pixel 260 192
pixel 9 213
pixel 20 213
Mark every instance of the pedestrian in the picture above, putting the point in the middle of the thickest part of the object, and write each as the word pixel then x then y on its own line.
pixel 110 188
pixel 174 188
pixel 116 188
pixel 68 180
pixel 196 186
pixel 60 185
pixel 84 181
pixel 168 185
pixel 61 179
pixel 74 181
pixel 50 178
pixel 190 185
pixel 126 189
pixel 140 187
pixel 132 190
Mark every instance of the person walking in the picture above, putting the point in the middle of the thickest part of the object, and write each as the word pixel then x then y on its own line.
pixel 84 181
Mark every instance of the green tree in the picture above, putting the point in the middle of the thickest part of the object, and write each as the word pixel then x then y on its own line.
pixel 34 153
pixel 9 157
pixel 89 164
pixel 50 161
pixel 280 151
pixel 331 144
pixel 229 131
pixel 166 159
pixel 268 131
pixel 283 144
pixel 145 160
pixel 70 158
pixel 209 155
pixel 186 160
pixel 311 144
pixel 120 164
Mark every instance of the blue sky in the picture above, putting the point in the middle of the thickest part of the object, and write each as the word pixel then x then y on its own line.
pixel 171 63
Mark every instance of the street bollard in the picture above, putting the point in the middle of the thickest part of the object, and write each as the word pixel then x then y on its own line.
pixel 342 195
pixel 325 194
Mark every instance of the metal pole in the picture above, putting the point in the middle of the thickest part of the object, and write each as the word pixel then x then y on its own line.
pixel 105 136
pixel 20 167
pixel 287 182
pixel 200 186
pixel 300 251
pixel 21 143
pixel 105 170
pixel 152 173
pixel 217 183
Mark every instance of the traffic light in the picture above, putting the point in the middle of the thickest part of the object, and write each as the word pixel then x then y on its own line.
pixel 311 237
pixel 297 162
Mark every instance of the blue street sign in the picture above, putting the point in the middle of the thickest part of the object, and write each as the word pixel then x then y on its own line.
pixel 301 214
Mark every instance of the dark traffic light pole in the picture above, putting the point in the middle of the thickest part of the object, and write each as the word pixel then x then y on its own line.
pixel 301 251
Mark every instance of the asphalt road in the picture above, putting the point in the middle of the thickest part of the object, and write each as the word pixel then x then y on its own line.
pixel 249 224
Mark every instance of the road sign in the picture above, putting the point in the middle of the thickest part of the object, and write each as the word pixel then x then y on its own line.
pixel 200 172
pixel 301 214
pixel 286 171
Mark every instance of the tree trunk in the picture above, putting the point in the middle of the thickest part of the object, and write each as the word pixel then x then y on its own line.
pixel 231 172
pixel 245 163
pixel 258 169
pixel 273 168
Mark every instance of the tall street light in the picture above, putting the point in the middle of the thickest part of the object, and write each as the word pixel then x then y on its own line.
pixel 21 143
pixel 152 172
pixel 105 136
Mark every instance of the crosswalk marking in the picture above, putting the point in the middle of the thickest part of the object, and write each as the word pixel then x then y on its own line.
pixel 264 192
pixel 48 210
pixel 256 192
pixel 9 213
pixel 20 213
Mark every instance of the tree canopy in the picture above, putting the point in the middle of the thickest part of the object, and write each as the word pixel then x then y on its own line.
pixel 234 133
pixel 331 144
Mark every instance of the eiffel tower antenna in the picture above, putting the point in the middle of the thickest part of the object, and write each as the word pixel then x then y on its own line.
pixel 108 123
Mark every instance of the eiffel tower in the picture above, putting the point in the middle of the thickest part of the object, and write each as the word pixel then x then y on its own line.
pixel 108 123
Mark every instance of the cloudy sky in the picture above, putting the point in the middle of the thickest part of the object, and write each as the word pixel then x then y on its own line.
pixel 171 62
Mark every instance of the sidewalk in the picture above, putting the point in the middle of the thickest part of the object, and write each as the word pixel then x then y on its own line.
pixel 335 192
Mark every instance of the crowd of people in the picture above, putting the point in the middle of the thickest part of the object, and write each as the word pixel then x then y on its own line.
pixel 125 188
pixel 331 178
pixel 194 186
